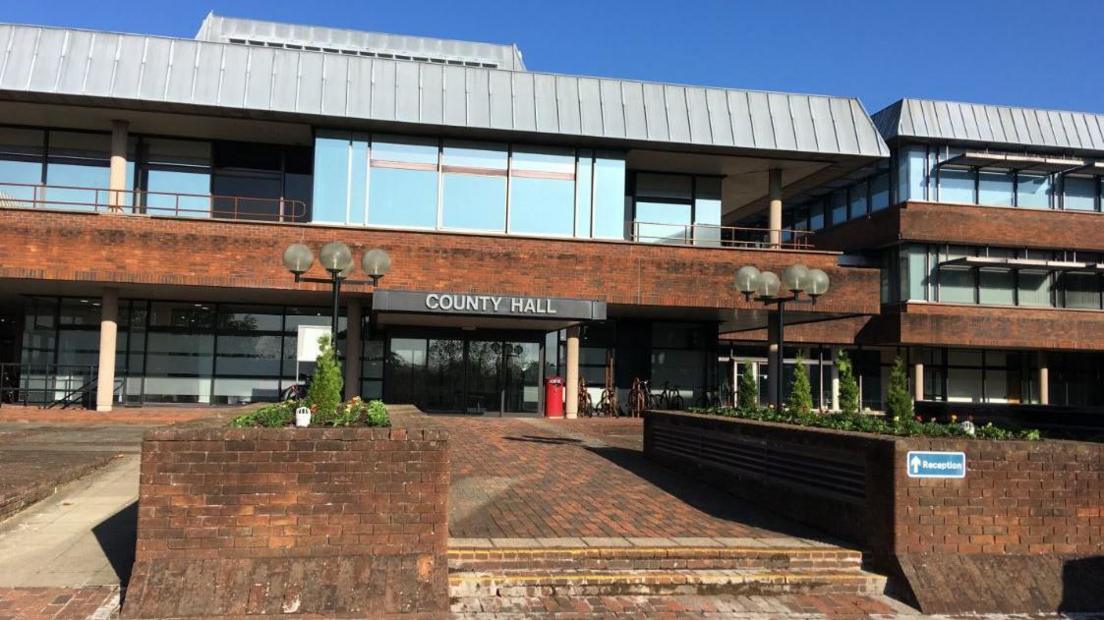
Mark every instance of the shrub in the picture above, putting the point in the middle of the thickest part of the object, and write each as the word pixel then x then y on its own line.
pixel 324 394
pixel 899 398
pixel 355 412
pixel 848 386
pixel 748 392
pixel 801 391
pixel 269 416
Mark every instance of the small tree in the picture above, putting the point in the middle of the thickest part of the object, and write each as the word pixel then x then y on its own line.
pixel 848 386
pixel 326 382
pixel 899 399
pixel 801 391
pixel 748 390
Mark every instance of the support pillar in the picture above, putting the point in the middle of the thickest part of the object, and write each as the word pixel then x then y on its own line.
pixel 109 329
pixel 835 380
pixel 918 381
pixel 1044 379
pixel 774 358
pixel 116 180
pixel 353 343
pixel 774 191
pixel 571 390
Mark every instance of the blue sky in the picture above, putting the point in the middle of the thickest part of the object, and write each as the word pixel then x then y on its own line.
pixel 1043 54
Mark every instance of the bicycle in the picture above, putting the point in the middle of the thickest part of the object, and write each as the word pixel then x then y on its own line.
pixel 297 391
pixel 671 398
pixel 640 397
pixel 586 404
pixel 607 404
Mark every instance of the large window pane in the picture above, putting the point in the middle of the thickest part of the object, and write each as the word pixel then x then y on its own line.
pixel 995 188
pixel 166 185
pixel 707 211
pixel 1080 194
pixel 879 192
pixel 542 192
pixel 584 188
pixel 914 280
pixel 956 185
pixel 956 282
pixel 676 186
pixel 997 287
pixel 400 197
pixel 21 153
pixel 474 194
pixel 1081 290
pixel 663 222
pixel 839 206
pixel 912 173
pixel 857 198
pixel 1033 191
pixel 331 179
pixel 1034 288
pixel 609 197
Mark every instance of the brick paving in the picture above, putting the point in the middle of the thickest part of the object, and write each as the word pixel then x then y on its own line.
pixel 141 416
pixel 58 603
pixel 534 478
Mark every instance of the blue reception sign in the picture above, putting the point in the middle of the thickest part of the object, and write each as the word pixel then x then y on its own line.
pixel 936 464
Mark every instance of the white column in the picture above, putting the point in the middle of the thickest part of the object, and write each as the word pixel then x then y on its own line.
pixel 774 191
pixel 116 180
pixel 109 329
pixel 918 381
pixel 835 380
pixel 775 360
pixel 352 347
pixel 1044 379
pixel 571 390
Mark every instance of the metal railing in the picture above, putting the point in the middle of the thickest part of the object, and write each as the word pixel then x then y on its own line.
pixel 49 385
pixel 711 236
pixel 142 202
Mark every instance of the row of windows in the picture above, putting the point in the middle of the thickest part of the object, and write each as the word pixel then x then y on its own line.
pixel 847 203
pixel 483 187
pixel 917 272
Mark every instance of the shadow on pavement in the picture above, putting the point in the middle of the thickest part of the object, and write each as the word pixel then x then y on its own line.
pixel 117 536
pixel 538 439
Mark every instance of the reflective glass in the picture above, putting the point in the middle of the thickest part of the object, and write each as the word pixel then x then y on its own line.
pixel 473 202
pixel 407 150
pixel 662 222
pixel 358 181
pixel 879 192
pixel 1081 290
pixel 816 215
pixel 995 188
pixel 400 197
pixel 857 198
pixel 839 206
pixel 956 185
pixel 331 179
pixel 542 206
pixel 609 197
pixel 913 173
pixel 474 155
pixel 559 161
pixel 584 175
pixel 75 178
pixel 1033 191
pixel 956 283
pixel 997 286
pixel 248 355
pixel 164 185
pixel 915 280
pixel 18 173
pixel 1079 194
pixel 1034 288
pixel 707 211
pixel 649 185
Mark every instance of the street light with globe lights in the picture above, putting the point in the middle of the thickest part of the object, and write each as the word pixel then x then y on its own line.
pixel 765 286
pixel 337 259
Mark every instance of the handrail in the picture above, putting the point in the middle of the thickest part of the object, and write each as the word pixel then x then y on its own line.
pixel 710 235
pixel 41 384
pixel 143 202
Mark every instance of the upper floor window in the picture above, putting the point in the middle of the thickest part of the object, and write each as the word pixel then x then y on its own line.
pixel 677 208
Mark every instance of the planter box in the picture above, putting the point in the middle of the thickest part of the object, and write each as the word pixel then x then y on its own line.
pixel 317 521
pixel 1031 510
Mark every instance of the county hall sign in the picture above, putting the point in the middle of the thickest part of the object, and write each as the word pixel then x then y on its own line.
pixel 488 305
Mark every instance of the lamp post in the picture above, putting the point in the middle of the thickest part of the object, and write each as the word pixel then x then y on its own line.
pixel 337 259
pixel 765 286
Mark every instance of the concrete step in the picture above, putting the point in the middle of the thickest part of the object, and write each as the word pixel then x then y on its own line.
pixel 523 583
pixel 630 558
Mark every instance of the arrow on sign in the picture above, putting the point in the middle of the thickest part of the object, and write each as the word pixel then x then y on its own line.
pixel 915 462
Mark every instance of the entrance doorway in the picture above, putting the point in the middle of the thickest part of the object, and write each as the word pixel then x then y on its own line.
pixel 473 375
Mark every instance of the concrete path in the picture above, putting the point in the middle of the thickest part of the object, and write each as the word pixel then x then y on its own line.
pixel 81 536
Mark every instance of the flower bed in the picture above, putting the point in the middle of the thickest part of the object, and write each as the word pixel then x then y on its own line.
pixel 354 412
pixel 882 425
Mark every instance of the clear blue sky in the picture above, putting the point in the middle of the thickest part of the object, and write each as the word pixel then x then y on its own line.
pixel 1034 53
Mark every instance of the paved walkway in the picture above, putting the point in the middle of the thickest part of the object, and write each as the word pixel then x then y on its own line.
pixel 534 478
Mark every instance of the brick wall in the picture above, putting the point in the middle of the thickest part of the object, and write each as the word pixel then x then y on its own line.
pixel 316 521
pixel 981 326
pixel 141 250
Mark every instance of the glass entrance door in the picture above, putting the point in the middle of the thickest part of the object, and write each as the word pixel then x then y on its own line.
pixel 521 377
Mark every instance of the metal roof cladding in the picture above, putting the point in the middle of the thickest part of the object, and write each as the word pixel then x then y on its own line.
pixel 992 124
pixel 176 74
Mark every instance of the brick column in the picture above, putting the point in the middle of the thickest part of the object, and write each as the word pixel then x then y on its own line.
pixel 109 328
pixel 116 180
pixel 353 345
pixel 571 390
pixel 774 190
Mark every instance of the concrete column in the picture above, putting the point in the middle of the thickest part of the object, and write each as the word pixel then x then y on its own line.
pixel 775 360
pixel 109 329
pixel 918 381
pixel 571 390
pixel 1044 379
pixel 116 180
pixel 774 191
pixel 835 380
pixel 353 342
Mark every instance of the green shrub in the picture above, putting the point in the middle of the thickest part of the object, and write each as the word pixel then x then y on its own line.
pixel 748 392
pixel 899 398
pixel 800 401
pixel 324 394
pixel 355 412
pixel 269 416
pixel 848 386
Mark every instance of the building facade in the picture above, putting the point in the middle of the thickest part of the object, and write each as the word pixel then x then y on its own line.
pixel 538 225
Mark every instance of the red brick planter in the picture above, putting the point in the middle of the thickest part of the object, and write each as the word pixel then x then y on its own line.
pixel 320 522
pixel 1023 531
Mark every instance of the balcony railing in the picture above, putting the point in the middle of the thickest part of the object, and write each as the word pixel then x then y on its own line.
pixel 710 236
pixel 167 204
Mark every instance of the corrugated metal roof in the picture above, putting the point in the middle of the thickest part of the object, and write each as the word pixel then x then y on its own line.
pixel 218 28
pixel 992 124
pixel 154 70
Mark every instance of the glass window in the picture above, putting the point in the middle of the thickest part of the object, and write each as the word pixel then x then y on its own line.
pixel 542 192
pixel 915 271
pixel 995 188
pixel 1080 194
pixel 857 198
pixel 1032 190
pixel 174 167
pixel 879 192
pixel 956 282
pixel 707 211
pixel 78 168
pixel 403 183
pixel 21 153
pixel 956 185
pixel 912 173
pixel 816 215
pixel 474 192
pixel 247 180
pixel 839 206
pixel 997 286
pixel 662 222
pixel 1034 288
pixel 1081 290
pixel 331 185
pixel 609 197
pixel 584 187
pixel 674 186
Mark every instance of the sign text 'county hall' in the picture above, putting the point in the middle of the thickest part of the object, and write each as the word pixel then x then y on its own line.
pixel 558 308
pixel 489 304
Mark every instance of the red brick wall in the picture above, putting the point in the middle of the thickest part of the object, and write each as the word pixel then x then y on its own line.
pixel 334 521
pixel 988 326
pixel 166 251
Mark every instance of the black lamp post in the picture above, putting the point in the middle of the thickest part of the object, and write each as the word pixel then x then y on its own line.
pixel 337 259
pixel 765 287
